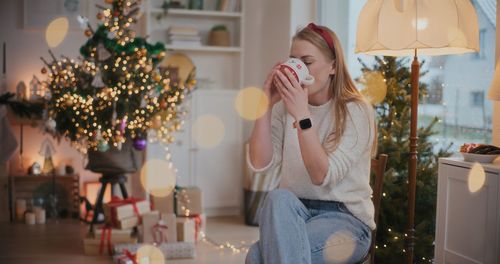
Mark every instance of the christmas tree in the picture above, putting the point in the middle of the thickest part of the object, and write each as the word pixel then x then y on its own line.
pixel 393 117
pixel 116 91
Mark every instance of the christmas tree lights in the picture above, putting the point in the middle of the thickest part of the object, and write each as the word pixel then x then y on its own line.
pixel 116 91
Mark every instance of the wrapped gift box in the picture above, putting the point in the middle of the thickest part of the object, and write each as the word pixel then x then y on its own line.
pixel 129 258
pixel 127 223
pixel 117 210
pixel 200 222
pixel 183 202
pixel 189 201
pixel 158 228
pixel 93 245
pixel 186 229
pixel 164 205
pixel 176 250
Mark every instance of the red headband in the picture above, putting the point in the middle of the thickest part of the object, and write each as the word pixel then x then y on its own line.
pixel 324 34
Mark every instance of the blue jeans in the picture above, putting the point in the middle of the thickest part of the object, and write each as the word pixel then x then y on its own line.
pixel 294 230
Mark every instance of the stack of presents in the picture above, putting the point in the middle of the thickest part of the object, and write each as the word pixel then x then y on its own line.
pixel 173 224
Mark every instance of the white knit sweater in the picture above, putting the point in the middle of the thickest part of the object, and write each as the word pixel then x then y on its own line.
pixel 348 177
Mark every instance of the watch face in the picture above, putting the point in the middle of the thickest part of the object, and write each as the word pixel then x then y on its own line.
pixel 305 123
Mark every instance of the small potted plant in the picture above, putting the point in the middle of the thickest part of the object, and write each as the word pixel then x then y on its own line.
pixel 219 36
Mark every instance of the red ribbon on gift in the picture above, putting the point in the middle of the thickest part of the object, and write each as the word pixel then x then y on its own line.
pixel 129 255
pixel 197 226
pixel 117 201
pixel 105 237
pixel 158 229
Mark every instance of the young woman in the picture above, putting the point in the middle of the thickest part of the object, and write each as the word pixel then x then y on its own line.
pixel 322 136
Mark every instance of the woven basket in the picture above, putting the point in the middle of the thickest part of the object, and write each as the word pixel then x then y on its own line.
pixel 219 38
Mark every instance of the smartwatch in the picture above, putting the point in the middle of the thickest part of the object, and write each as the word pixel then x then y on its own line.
pixel 305 123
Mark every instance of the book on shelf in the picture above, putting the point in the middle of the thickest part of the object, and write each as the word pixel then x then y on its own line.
pixel 183 30
pixel 185 43
pixel 228 5
pixel 184 37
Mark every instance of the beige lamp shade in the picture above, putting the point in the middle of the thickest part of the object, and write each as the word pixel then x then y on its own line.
pixel 433 27
pixel 494 93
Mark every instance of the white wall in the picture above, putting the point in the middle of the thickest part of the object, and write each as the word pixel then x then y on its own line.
pixel 269 27
pixel 267 40
pixel 302 13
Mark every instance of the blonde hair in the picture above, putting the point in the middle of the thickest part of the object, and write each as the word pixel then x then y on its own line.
pixel 341 87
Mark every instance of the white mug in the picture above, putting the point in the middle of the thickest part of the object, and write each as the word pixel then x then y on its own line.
pixel 299 70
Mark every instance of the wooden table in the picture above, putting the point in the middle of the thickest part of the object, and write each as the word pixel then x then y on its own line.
pixel 30 187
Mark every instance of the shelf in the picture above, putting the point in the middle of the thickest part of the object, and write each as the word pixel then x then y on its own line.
pixel 204 48
pixel 199 13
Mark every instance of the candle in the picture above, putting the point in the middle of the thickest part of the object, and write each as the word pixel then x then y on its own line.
pixel 4 64
pixel 20 209
pixel 40 215
pixel 29 218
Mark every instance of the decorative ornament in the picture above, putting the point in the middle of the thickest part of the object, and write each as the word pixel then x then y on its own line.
pixel 148 68
pixel 35 89
pixel 21 91
pixel 157 122
pixel 35 169
pixel 44 70
pixel 97 82
pixel 50 125
pixel 140 143
pixel 143 103
pixel 102 146
pixel 102 53
pixel 83 22
pixel 119 145
pixel 113 117
pixel 157 77
pixel 45 88
pixel 47 150
pixel 111 34
pixel 69 102
pixel 163 104
pixel 100 16
pixel 109 1
pixel 123 125
pixel 126 11
pixel 88 33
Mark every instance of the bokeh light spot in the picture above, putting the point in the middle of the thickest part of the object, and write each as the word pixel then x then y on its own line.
pixel 56 31
pixel 477 178
pixel 148 254
pixel 251 103
pixel 158 177
pixel 208 131
pixel 339 247
pixel 374 86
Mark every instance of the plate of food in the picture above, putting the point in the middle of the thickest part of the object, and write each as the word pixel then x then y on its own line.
pixel 481 153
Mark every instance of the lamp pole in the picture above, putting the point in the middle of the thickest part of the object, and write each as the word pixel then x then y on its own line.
pixel 412 164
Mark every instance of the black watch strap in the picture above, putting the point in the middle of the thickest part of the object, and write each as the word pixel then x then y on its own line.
pixel 305 123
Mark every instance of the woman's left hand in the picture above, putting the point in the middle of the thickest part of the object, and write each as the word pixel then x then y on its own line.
pixel 293 94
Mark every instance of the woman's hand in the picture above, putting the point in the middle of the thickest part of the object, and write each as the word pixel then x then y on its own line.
pixel 270 89
pixel 293 94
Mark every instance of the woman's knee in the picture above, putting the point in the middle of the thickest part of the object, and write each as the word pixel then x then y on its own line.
pixel 253 255
pixel 279 197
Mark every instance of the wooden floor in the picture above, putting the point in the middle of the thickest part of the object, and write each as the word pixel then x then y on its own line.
pixel 61 243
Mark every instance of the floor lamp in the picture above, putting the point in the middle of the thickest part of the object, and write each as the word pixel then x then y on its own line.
pixel 408 28
pixel 494 92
